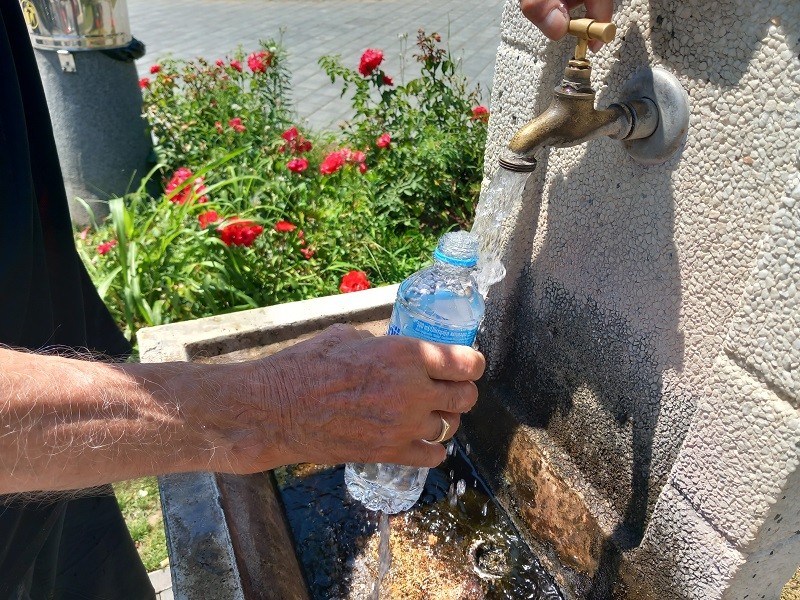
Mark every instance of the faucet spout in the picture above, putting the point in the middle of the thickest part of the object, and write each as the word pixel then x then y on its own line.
pixel 572 119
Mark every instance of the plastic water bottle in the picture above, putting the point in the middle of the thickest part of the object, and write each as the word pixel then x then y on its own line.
pixel 440 303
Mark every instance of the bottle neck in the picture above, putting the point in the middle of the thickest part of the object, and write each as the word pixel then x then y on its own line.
pixel 449 267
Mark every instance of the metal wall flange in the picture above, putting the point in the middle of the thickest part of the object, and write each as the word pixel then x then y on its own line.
pixel 664 89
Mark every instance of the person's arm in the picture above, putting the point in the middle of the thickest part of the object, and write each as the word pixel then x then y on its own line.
pixel 342 396
pixel 552 16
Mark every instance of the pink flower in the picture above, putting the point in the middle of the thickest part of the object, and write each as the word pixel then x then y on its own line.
pixel 333 162
pixel 235 64
pixel 284 226
pixel 480 113
pixel 354 281
pixel 155 69
pixel 387 80
pixel 219 62
pixel 84 233
pixel 259 61
pixel 236 123
pixel 144 82
pixel 362 168
pixel 240 232
pixel 357 157
pixel 383 140
pixel 106 247
pixel 218 126
pixel 297 165
pixel 307 252
pixel 188 192
pixel 370 61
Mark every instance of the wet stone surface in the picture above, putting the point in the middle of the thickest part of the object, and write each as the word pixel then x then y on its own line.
pixel 450 546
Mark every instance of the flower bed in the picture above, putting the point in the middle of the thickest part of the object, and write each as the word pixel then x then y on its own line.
pixel 257 210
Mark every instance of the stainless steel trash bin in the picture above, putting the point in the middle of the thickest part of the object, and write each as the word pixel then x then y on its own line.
pixel 77 24
pixel 85 53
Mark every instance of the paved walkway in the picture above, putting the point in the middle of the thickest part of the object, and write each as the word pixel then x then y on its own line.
pixel 313 28
pixel 310 29
pixel 162 584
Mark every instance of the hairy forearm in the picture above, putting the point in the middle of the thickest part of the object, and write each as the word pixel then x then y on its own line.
pixel 67 423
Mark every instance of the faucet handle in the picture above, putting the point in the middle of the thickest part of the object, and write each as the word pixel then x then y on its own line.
pixel 589 29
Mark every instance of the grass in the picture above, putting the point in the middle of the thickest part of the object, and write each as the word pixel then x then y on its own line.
pixel 141 506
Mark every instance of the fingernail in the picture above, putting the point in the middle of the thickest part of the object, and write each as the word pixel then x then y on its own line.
pixel 555 23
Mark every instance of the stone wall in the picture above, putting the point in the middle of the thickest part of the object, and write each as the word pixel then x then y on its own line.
pixel 644 347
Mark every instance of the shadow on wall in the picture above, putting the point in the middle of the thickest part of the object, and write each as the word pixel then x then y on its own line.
pixel 590 327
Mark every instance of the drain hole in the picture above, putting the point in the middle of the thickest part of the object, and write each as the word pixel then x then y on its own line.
pixel 488 560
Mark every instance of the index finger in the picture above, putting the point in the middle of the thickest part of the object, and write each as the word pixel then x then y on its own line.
pixel 452 363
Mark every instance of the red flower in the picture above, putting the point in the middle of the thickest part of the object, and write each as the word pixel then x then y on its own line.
pixel 387 80
pixel 259 61
pixel 284 226
pixel 297 144
pixel 357 157
pixel 383 140
pixel 235 64
pixel 333 162
pixel 297 165
pixel 155 69
pixel 370 61
pixel 219 62
pixel 290 134
pixel 208 217
pixel 354 281
pixel 362 168
pixel 301 236
pixel 480 113
pixel 240 232
pixel 106 247
pixel 189 191
pixel 307 252
pixel 144 82
pixel 236 123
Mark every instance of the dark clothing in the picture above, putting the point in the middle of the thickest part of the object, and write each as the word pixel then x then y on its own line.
pixel 69 548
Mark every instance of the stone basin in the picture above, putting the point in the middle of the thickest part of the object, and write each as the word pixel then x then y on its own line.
pixel 293 533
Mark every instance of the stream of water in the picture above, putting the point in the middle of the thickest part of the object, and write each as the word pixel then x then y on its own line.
pixel 497 203
pixel 384 553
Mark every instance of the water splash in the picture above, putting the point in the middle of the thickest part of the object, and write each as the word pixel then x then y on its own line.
pixel 497 203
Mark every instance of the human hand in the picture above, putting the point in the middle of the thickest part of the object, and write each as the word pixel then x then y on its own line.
pixel 552 16
pixel 346 396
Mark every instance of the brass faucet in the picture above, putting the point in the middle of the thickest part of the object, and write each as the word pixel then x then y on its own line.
pixel 571 119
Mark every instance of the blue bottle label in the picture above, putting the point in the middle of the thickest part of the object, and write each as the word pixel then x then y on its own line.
pixel 431 332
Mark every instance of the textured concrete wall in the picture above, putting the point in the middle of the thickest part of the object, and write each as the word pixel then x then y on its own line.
pixel 649 321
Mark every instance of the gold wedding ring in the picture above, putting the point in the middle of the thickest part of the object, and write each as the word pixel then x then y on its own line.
pixel 443 434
